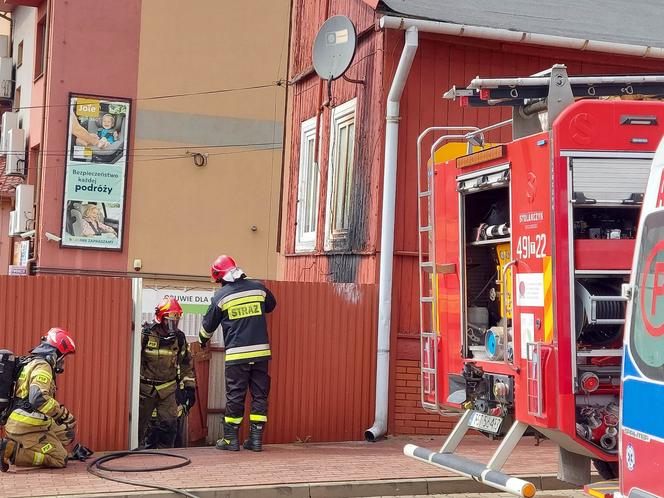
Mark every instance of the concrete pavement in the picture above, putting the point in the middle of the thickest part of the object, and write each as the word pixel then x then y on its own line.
pixel 298 470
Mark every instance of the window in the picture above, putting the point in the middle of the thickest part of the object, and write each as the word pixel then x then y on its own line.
pixel 340 176
pixel 646 340
pixel 307 190
pixel 40 55
pixel 19 54
pixel 17 98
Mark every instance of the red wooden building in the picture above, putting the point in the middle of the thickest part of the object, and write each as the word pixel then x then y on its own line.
pixel 335 205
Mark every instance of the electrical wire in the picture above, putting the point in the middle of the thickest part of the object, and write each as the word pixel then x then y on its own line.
pixel 62 153
pixel 138 158
pixel 98 464
pixel 277 83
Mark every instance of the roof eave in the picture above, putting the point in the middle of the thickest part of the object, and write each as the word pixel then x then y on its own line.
pixel 482 32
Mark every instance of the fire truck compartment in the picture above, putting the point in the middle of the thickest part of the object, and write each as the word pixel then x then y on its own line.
pixel 485 234
pixel 599 180
pixel 604 237
pixel 603 254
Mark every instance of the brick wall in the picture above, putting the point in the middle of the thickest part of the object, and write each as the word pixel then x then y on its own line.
pixel 409 416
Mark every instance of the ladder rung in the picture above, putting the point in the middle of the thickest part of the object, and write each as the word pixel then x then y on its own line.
pixel 426 193
pixel 426 299
pixel 428 264
pixel 428 370
pixel 425 229
pixel 427 333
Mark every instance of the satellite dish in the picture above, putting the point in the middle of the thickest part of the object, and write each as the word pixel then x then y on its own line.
pixel 334 47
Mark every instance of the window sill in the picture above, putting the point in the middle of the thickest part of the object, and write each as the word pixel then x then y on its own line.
pixel 304 251
pixel 329 253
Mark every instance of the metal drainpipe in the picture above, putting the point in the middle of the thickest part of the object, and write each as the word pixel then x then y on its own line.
pixel 387 235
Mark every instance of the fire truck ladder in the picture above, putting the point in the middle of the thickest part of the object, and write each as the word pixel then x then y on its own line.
pixel 552 91
pixel 429 333
pixel 428 269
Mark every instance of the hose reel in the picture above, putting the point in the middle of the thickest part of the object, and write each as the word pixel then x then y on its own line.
pixel 600 313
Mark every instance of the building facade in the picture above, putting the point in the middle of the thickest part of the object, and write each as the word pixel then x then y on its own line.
pixel 148 137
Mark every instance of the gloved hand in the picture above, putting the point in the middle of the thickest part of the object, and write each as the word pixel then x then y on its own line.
pixel 186 397
pixel 190 393
pixel 81 453
pixel 66 418
pixel 203 341
pixel 70 433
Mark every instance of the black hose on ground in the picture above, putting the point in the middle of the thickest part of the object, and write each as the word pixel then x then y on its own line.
pixel 98 464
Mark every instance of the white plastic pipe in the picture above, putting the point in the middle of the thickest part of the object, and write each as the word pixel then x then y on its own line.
pixel 134 381
pixel 446 28
pixel 379 427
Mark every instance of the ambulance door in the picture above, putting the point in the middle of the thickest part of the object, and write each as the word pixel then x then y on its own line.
pixel 642 404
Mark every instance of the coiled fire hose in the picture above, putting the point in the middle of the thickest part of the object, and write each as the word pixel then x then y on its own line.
pixel 99 464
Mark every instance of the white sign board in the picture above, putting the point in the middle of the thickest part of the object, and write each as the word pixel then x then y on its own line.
pixel 194 305
pixel 530 289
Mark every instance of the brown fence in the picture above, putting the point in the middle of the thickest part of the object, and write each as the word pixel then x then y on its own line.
pixel 322 336
pixel 98 313
pixel 323 371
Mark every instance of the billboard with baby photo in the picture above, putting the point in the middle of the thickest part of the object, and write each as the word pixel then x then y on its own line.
pixel 97 145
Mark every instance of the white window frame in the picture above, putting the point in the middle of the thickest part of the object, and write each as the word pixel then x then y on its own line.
pixel 341 115
pixel 305 241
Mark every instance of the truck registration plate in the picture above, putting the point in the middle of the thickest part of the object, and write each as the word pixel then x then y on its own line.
pixel 484 422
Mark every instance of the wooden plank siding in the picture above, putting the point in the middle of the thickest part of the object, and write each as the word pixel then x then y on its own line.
pixel 308 94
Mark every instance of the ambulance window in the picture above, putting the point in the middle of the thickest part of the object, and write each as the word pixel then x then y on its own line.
pixel 647 336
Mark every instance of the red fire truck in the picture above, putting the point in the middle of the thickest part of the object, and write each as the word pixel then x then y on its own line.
pixel 525 255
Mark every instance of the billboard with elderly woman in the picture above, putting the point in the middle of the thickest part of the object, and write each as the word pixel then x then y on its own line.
pixel 96 171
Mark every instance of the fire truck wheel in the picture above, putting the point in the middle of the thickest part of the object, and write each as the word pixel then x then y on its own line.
pixel 607 470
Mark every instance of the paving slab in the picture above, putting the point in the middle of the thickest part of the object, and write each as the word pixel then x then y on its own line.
pixel 348 469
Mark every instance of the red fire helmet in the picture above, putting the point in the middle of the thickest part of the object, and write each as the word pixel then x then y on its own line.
pixel 221 266
pixel 167 308
pixel 59 338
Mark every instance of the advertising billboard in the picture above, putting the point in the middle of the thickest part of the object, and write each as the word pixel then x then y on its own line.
pixel 96 171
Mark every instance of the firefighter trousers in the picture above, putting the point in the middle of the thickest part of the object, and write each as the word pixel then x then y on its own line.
pixel 165 427
pixel 239 377
pixel 41 447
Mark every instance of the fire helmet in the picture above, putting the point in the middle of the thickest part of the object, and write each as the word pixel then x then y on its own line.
pixel 60 339
pixel 168 309
pixel 225 269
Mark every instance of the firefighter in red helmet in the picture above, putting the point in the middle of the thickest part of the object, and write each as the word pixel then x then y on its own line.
pixel 166 367
pixel 39 427
pixel 239 306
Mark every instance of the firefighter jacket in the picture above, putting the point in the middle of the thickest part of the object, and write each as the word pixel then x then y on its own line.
pixel 165 361
pixel 240 308
pixel 34 402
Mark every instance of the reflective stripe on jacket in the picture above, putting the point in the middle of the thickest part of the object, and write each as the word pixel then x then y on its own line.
pixel 240 308
pixel 163 361
pixel 36 388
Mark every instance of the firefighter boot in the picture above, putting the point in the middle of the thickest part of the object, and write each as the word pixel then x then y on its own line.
pixel 7 453
pixel 255 440
pixel 230 440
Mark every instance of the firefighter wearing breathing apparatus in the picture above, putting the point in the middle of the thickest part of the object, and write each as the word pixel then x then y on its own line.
pixel 240 307
pixel 166 363
pixel 39 427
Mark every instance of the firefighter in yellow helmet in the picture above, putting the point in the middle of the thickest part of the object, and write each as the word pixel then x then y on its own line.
pixel 166 367
pixel 39 427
